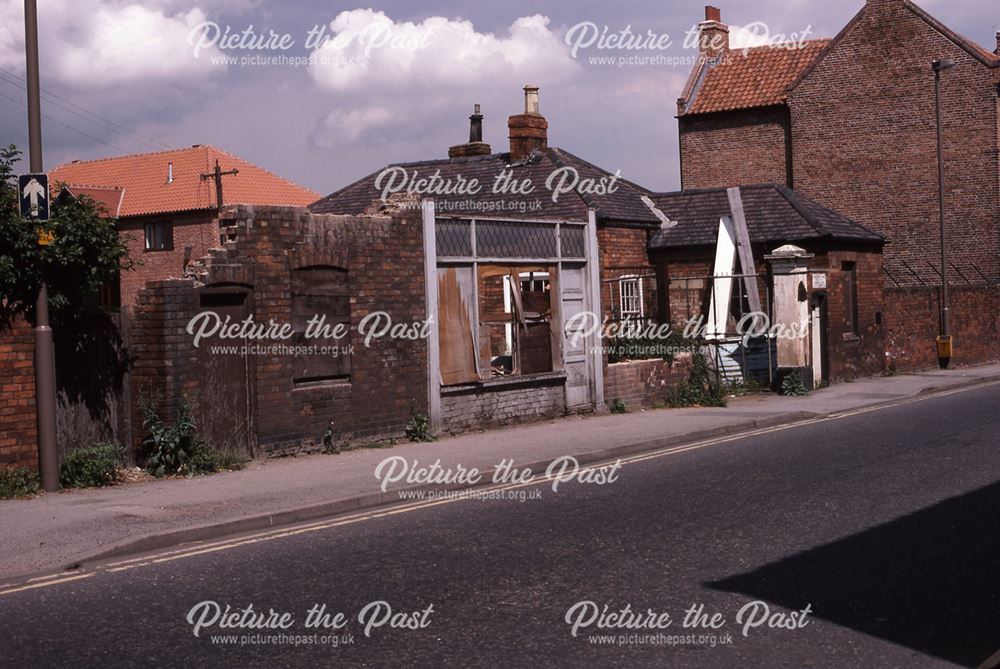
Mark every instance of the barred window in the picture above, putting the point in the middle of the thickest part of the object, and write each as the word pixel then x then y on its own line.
pixel 630 294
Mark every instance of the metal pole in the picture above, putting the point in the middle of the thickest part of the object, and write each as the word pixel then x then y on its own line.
pixel 45 368
pixel 945 329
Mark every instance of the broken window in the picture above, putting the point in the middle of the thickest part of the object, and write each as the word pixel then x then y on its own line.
pixel 515 320
pixel 498 296
pixel 320 302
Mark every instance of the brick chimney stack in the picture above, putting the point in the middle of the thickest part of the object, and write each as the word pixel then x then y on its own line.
pixel 529 131
pixel 713 34
pixel 475 146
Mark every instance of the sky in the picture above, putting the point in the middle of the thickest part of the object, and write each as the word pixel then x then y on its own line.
pixel 394 81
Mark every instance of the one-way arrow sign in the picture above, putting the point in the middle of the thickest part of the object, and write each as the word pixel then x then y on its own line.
pixel 34 193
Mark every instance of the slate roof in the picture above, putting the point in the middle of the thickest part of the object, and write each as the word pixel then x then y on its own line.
pixel 746 79
pixel 143 178
pixel 622 206
pixel 774 214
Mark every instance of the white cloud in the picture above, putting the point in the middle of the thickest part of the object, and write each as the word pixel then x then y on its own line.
pixel 105 42
pixel 368 48
pixel 349 125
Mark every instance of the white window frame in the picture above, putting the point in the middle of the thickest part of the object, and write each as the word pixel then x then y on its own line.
pixel 628 299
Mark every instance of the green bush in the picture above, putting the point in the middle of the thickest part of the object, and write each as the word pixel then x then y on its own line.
pixel 178 448
pixel 619 406
pixel 419 428
pixel 792 386
pixel 18 482
pixel 92 466
pixel 701 389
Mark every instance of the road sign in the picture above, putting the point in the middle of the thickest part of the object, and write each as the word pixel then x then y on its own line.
pixel 33 190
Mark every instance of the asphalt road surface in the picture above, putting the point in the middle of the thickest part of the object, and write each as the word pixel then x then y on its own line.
pixel 870 540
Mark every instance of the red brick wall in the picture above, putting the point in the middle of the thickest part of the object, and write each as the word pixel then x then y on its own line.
pixel 18 447
pixel 384 259
pixel 735 148
pixel 854 356
pixel 864 141
pixel 623 252
pixel 645 384
pixel 198 231
pixel 912 323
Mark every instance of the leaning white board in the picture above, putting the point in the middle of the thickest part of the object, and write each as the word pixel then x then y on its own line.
pixel 722 277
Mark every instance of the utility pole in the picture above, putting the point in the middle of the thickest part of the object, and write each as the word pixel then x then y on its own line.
pixel 45 363
pixel 944 342
pixel 217 174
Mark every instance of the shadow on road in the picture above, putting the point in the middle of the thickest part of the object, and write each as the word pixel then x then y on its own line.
pixel 929 581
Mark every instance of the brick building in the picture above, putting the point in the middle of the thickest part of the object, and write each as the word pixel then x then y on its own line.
pixel 850 123
pixel 517 258
pixel 166 209
pixel 844 283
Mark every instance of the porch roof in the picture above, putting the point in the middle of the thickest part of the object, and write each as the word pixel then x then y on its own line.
pixel 774 213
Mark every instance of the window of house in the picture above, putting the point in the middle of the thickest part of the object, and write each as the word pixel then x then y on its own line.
pixel 630 298
pixel 850 271
pixel 320 302
pixel 160 236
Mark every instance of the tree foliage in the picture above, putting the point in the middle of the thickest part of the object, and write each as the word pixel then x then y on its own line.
pixel 85 254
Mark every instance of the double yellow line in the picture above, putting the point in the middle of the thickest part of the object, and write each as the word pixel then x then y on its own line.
pixel 205 548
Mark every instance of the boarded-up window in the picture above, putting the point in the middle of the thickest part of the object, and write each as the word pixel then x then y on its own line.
pixel 320 301
pixel 455 318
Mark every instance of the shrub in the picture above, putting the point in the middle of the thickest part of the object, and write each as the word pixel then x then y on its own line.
pixel 619 406
pixel 419 428
pixel 178 448
pixel 701 389
pixel 792 386
pixel 18 482
pixel 92 466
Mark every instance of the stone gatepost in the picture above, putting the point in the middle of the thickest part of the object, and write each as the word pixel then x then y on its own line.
pixel 790 322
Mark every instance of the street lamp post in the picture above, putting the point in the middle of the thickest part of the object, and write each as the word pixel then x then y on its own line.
pixel 45 373
pixel 944 342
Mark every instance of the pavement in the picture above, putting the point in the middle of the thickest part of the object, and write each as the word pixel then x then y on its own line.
pixel 61 530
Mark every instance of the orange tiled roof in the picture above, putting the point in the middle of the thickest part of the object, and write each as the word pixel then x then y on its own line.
pixel 143 178
pixel 109 198
pixel 756 77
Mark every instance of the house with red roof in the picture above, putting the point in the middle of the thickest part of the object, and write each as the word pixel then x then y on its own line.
pixel 850 123
pixel 167 204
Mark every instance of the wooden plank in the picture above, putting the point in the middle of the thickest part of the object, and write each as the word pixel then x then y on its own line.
pixel 722 282
pixel 743 248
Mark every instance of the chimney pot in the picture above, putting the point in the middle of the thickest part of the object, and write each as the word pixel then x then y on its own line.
pixel 998 43
pixel 713 14
pixel 531 100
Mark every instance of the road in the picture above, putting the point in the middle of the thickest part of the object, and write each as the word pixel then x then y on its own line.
pixel 870 540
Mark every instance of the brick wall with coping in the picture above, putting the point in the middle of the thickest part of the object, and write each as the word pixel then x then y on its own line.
pixel 496 404
pixel 645 384
pixel 18 423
